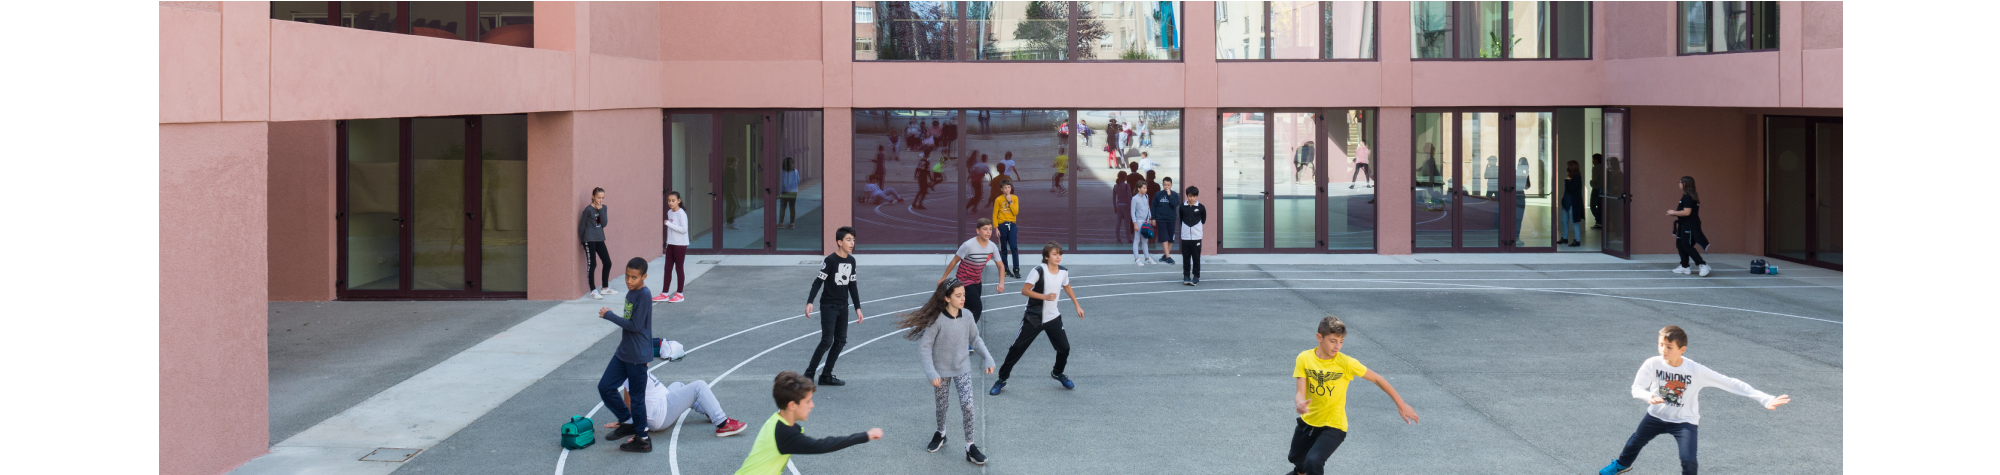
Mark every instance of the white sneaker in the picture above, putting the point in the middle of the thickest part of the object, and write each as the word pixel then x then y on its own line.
pixel 595 295
pixel 1704 270
pixel 608 291
pixel 1681 270
pixel 1138 262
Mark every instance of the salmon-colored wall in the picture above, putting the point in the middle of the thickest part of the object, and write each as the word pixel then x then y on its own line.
pixel 625 29
pixel 555 262
pixel 213 375
pixel 750 31
pixel 1247 84
pixel 1506 83
pixel 570 153
pixel 1718 148
pixel 321 72
pixel 838 159
pixel 303 235
pixel 1635 30
pixel 1392 165
pixel 246 61
pixel 1823 25
pixel 190 65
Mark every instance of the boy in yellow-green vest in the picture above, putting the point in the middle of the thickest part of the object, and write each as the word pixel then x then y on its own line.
pixel 781 437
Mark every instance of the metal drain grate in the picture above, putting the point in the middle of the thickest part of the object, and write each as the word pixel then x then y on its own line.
pixel 386 454
pixel 708 262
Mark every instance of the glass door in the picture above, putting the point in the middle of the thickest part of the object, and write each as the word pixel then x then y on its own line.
pixel 432 208
pixel 1802 190
pixel 1616 194
pixel 744 185
pixel 1245 167
pixel 1273 183
pixel 749 181
pixel 1483 181
pixel 1532 182
pixel 1294 180
pixel 1478 208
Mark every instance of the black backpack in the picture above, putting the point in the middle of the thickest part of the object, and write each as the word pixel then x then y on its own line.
pixel 1757 266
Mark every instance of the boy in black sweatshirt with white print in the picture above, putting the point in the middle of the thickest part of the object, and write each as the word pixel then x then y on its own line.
pixel 838 280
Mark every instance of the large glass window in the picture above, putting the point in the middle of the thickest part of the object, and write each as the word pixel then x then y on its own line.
pixel 1500 30
pixel 502 23
pixel 800 205
pixel 1144 146
pixel 503 196
pixel 1802 190
pixel 1724 27
pixel 1350 223
pixel 1017 31
pixel 433 207
pixel 1295 30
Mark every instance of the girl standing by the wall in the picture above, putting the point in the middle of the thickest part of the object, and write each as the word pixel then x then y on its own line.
pixel 1142 211
pixel 1687 228
pixel 673 282
pixel 590 230
pixel 939 328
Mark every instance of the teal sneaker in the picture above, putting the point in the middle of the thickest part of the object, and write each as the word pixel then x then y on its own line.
pixel 1613 469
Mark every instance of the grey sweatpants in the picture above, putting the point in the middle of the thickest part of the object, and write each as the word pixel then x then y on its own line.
pixel 964 384
pixel 691 395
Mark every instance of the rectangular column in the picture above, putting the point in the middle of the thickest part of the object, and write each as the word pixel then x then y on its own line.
pixel 1393 184
pixel 303 199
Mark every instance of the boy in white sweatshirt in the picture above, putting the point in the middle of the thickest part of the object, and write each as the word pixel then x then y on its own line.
pixel 1672 385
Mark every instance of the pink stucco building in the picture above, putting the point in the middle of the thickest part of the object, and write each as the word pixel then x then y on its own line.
pixel 306 160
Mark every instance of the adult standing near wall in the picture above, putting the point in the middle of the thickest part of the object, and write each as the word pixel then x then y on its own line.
pixel 590 231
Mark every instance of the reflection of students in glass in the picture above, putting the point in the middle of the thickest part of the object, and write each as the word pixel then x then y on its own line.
pixel 1521 185
pixel 1062 169
pixel 1570 230
pixel 788 196
pixel 729 181
pixel 975 178
pixel 1360 167
pixel 1110 144
pixel 1121 205
pixel 1302 158
pixel 924 182
pixel 876 192
pixel 985 117
pixel 1428 178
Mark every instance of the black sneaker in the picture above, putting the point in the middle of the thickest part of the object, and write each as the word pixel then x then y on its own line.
pixel 638 444
pixel 1197 280
pixel 972 455
pixel 1067 384
pixel 625 429
pixel 1187 281
pixel 1166 259
pixel 937 442
pixel 829 380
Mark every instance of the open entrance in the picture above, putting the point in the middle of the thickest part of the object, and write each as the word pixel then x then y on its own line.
pixel 1802 190
pixel 1520 180
pixel 749 179
pixel 433 208
pixel 1297 180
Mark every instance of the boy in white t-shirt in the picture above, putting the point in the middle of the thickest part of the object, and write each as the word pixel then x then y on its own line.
pixel 664 403
pixel 1043 315
pixel 1672 385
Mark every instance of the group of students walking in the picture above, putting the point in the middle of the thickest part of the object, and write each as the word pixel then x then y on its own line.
pixel 949 318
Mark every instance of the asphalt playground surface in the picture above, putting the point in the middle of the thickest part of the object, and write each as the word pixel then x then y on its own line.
pixel 1512 368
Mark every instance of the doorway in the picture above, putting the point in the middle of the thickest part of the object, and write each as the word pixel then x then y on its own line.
pixel 1484 180
pixel 1802 190
pixel 1296 180
pixel 432 208
pixel 749 179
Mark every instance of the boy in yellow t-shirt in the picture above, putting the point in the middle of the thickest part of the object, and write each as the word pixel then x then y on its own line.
pixel 1322 374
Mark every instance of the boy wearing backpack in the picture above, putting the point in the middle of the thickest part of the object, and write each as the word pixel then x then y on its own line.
pixel 1043 314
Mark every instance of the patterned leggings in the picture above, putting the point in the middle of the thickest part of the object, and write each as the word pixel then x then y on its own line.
pixel 964 384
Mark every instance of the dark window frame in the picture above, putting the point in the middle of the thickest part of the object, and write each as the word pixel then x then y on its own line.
pixel 406 196
pixel 1756 30
pixel 1812 189
pixel 1507 30
pixel 1374 44
pixel 773 116
pixel 1320 167
pixel 401 22
pixel 962 46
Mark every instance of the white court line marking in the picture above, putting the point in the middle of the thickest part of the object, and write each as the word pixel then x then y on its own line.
pixel 673 443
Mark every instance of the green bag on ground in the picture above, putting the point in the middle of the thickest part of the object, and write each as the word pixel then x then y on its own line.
pixel 578 433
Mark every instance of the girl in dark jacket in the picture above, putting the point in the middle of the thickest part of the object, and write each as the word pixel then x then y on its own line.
pixel 1687 229
pixel 1571 227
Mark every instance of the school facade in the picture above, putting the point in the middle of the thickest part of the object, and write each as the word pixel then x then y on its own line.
pixel 442 150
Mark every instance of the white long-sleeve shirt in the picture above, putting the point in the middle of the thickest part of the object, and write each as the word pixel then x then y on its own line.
pixel 677 227
pixel 1681 388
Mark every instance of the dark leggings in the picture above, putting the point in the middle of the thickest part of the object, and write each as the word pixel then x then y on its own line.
pixel 1361 170
pixel 832 337
pixel 1028 333
pixel 1311 446
pixel 1650 427
pixel 1685 242
pixel 590 265
pixel 972 292
pixel 676 260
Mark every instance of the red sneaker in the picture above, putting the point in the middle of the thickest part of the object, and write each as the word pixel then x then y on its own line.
pixel 730 427
pixel 677 298
pixel 660 298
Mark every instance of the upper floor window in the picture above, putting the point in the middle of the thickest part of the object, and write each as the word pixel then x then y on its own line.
pixel 1727 27
pixel 502 23
pixel 864 14
pixel 1500 30
pixel 1295 30
pixel 1017 31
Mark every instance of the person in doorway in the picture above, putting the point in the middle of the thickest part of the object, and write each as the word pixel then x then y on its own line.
pixel 1671 385
pixel 939 327
pixel 1142 214
pixel 788 195
pixel 1570 229
pixel 837 275
pixel 1303 159
pixel 969 264
pixel 1193 214
pixel 1121 206
pixel 676 252
pixel 1006 209
pixel 628 363
pixel 1521 185
pixel 782 437
pixel 1166 210
pixel 1596 191
pixel 1061 170
pixel 590 230
pixel 1322 375
pixel 664 403
pixel 1360 163
pixel 1688 238
pixel 730 180
pixel 1043 314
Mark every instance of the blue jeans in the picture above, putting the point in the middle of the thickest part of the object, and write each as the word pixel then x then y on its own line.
pixel 1010 246
pixel 1569 228
pixel 1650 427
pixel 634 377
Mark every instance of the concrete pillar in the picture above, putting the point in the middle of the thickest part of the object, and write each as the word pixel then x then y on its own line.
pixel 571 153
pixel 303 194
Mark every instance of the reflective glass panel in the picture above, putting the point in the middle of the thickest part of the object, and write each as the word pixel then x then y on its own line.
pixel 1431 30
pixel 1121 142
pixel 1294 184
pixel 438 19
pixel 507 23
pixel 1827 207
pixel 1018 30
pixel 800 174
pixel 503 203
pixel 691 146
pixel 1350 191
pixel 1615 165
pixel 1788 177
pixel 1134 30
pixel 1431 207
pixel 1295 28
pixel 1537 179
pixel 437 146
pixel 906 176
pixel 1348 30
pixel 1479 165
pixel 743 185
pixel 1572 29
pixel 374 204
pixel 1242 181
pixel 1531 29
pixel 909 31
pixel 1239 30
